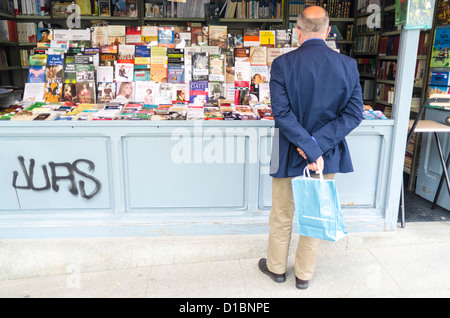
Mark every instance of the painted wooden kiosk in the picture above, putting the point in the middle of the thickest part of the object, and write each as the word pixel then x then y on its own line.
pixel 178 177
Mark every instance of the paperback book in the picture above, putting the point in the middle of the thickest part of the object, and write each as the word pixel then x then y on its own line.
pixel 106 92
pixel 200 66
pixel 163 93
pixel 166 37
pixel 69 93
pixel 175 73
pixel 53 92
pixel 124 72
pixel 86 92
pixel 217 68
pixel 34 92
pixel 36 74
pixel 217 36
pixel 144 92
pixel 198 92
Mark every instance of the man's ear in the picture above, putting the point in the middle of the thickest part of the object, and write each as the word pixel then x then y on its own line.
pixel 328 32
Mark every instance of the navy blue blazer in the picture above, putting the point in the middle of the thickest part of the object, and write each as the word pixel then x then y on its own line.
pixel 316 101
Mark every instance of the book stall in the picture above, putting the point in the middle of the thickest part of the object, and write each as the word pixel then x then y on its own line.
pixel 146 124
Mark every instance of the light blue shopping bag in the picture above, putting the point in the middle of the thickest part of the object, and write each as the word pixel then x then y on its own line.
pixel 317 208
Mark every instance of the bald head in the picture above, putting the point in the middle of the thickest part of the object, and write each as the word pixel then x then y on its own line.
pixel 313 22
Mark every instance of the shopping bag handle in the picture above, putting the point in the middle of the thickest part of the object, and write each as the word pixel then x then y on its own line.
pixel 306 172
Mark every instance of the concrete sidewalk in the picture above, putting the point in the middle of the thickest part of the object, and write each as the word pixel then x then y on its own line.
pixel 411 262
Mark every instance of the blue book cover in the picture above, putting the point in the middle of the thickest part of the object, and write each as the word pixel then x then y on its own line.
pixel 175 73
pixel 55 59
pixel 141 51
pixel 119 8
pixel 439 78
pixel 36 74
pixel 166 37
pixel 198 92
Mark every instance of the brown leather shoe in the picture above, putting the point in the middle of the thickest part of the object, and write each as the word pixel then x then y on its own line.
pixel 300 283
pixel 279 278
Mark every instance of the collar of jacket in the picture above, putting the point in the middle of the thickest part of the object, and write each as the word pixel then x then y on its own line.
pixel 314 42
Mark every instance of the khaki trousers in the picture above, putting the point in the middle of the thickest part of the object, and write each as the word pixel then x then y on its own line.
pixel 280 221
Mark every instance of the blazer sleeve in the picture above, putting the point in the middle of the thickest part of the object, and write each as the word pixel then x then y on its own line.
pixel 285 119
pixel 334 132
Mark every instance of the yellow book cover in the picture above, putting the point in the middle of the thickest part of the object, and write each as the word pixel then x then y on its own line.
pixel 85 7
pixel 267 38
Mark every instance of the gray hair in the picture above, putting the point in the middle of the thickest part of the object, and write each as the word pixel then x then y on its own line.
pixel 310 25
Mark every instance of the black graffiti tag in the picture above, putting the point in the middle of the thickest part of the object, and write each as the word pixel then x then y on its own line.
pixel 72 169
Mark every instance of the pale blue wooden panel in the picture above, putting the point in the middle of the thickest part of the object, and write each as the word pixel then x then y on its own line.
pixel 54 173
pixel 166 172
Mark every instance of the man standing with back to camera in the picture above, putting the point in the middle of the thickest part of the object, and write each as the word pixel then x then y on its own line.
pixel 316 102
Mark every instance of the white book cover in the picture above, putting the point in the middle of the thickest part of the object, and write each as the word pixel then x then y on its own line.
pixel 163 93
pixel 145 92
pixel 105 74
pixel 34 92
pixel 180 92
pixel 124 72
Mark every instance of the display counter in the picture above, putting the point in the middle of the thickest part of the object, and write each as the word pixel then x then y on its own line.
pixel 165 178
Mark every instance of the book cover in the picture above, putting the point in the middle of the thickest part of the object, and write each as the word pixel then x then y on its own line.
pixel 217 36
pixel 107 59
pixel 116 34
pixel 106 92
pixel 166 37
pixel 163 93
pixel 251 36
pixel 84 72
pixel 198 92
pixel 158 73
pixel 119 8
pixel 53 92
pixel 212 13
pixel 242 54
pixel 283 38
pixel 69 93
pixel 36 74
pixel 267 38
pixel 54 74
pixel 38 60
pixel 86 92
pixel 217 68
pixel 199 35
pixel 212 113
pixel 235 38
pixel 34 92
pixel 144 92
pixel 141 51
pixel 133 35
pixel 104 8
pixel 158 55
pixel 175 73
pixel 124 72
pixel 216 92
pixel 180 92
pixel 440 78
pixel 264 93
pixel 44 37
pixel 109 49
pixel 149 35
pixel 273 53
pixel 242 74
pixel 441 45
pixel 182 39
pixel 132 8
pixel 125 91
pixel 85 7
pixel 200 66
pixel 126 53
pixel 69 73
pixel 259 74
pixel 99 36
pixel 105 73
pixel 141 75
pixel 188 61
pixel 175 55
pixel 258 55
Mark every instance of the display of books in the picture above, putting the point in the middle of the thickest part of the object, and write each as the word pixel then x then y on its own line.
pixel 134 66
